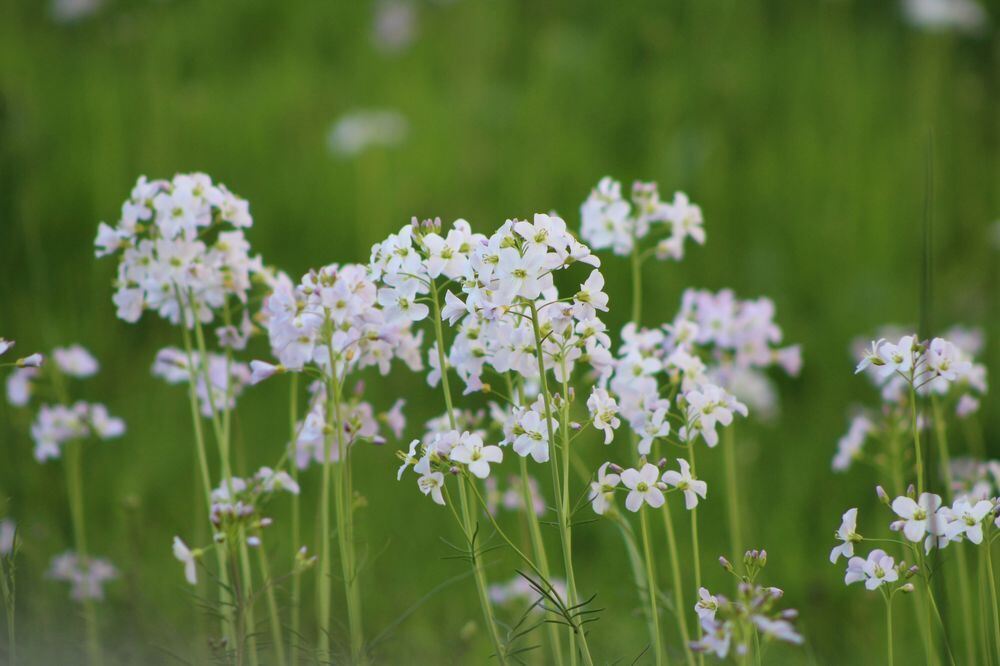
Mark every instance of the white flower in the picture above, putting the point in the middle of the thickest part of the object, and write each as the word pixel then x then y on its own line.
pixel 963 15
pixel 75 361
pixel 847 533
pixel 654 425
pixel 604 412
pixel 471 452
pixel 188 558
pixel 259 371
pixel 357 131
pixel 8 534
pixel 915 514
pixel 878 568
pixel 431 484
pixel 5 345
pixel 409 458
pixel 591 297
pixel 682 480
pixel 533 437
pixel 602 491
pixel 33 361
pixel 642 485
pixel 707 406
pixel 777 629
pixel 967 520
pixel 707 604
pixel 850 445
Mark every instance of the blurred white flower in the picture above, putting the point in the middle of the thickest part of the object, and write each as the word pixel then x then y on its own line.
pixel 67 11
pixel 963 15
pixel 357 131
pixel 75 361
pixel 394 26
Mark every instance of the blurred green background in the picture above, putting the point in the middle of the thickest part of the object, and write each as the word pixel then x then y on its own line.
pixel 802 128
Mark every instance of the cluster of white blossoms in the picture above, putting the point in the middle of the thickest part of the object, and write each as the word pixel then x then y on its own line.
pixel 645 485
pixel 943 368
pixel 335 320
pixel 218 380
pixel 938 367
pixel 508 306
pixel 86 575
pixel 237 502
pixel 57 424
pixel 609 221
pixel 924 518
pixel 731 625
pixel 357 417
pixel 181 248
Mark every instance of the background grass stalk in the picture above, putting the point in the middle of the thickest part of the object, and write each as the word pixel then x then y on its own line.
pixel 296 610
pixel 74 485
pixel 732 492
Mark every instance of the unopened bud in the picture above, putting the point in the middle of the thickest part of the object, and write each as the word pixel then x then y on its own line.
pixel 911 492
pixel 911 572
pixel 455 470
pixel 662 463
pixel 726 564
pixel 906 588
pixel 882 495
pixel 617 469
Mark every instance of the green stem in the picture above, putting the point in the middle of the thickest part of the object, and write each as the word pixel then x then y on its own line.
pixel 888 627
pixel 272 603
pixel 675 572
pixel 538 548
pixel 988 545
pixel 293 413
pixel 696 551
pixel 225 598
pixel 344 499
pixel 74 484
pixel 916 440
pixel 651 589
pixel 325 576
pixel 561 506
pixel 636 282
pixel 964 588
pixel 732 494
pixel 468 526
pixel 221 428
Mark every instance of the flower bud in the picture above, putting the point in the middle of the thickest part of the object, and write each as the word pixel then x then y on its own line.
pixel 617 469
pixel 33 361
pixel 455 470
pixel 726 564
pixel 906 588
pixel 911 572
pixel 911 492
pixel 882 495
pixel 662 463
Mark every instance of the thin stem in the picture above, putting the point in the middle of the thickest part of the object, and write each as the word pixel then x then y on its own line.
pixel 888 628
pixel 479 574
pixel 344 499
pixel 563 510
pixel 916 440
pixel 74 485
pixel 696 551
pixel 293 413
pixel 636 282
pixel 675 572
pixel 732 494
pixel 272 603
pixel 651 589
pixel 225 598
pixel 964 588
pixel 993 589
pixel 323 611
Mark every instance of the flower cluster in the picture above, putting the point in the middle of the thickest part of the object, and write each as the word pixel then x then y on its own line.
pixel 86 575
pixel 645 485
pixel 218 380
pixel 922 518
pixel 939 367
pixel 236 503
pixel 729 625
pixel 610 221
pixel 182 249
pixel 55 425
pixel 508 287
pixel 335 320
